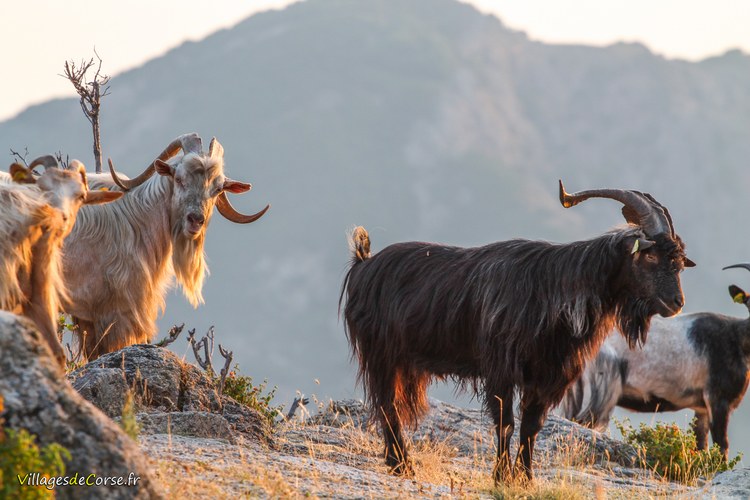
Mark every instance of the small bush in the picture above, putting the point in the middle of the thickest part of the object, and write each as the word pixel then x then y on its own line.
pixel 672 453
pixel 241 389
pixel 21 455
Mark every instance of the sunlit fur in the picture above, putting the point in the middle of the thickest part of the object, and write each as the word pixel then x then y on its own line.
pixel 36 219
pixel 514 315
pixel 121 258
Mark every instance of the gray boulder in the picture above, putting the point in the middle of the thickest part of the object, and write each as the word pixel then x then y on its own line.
pixel 37 397
pixel 171 396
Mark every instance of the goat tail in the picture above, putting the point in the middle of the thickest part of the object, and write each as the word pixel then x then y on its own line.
pixel 592 398
pixel 359 242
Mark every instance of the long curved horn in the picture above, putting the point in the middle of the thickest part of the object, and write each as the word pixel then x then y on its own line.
pixel 641 209
pixel 744 266
pixel 47 161
pixel 227 210
pixel 188 143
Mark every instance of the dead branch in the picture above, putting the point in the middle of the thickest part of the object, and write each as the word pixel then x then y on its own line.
pixel 173 333
pixel 227 355
pixel 207 344
pixel 91 93
pixel 300 401
pixel 63 162
pixel 21 158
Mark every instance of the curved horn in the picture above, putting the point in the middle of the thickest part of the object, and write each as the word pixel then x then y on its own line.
pixel 188 143
pixel 47 161
pixel 744 266
pixel 81 169
pixel 641 209
pixel 227 210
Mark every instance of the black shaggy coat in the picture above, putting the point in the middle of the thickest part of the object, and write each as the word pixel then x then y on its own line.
pixel 518 314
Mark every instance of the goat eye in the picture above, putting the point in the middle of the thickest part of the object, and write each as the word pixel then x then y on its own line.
pixel 650 257
pixel 178 181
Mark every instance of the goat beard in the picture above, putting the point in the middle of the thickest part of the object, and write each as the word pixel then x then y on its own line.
pixel 633 321
pixel 189 263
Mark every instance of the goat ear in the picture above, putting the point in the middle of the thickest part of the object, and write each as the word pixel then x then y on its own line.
pixel 738 294
pixel 688 263
pixel 641 244
pixel 215 149
pixel 236 187
pixel 21 174
pixel 97 197
pixel 163 168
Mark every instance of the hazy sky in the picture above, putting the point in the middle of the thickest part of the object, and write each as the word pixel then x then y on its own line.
pixel 38 36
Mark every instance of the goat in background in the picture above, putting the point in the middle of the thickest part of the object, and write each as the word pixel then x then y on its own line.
pixel 695 361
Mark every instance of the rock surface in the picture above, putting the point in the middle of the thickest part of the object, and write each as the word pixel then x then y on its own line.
pixel 171 396
pixel 336 454
pixel 38 398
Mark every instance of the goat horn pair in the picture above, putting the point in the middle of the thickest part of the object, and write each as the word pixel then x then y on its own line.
pixel 47 161
pixel 188 143
pixel 640 208
pixel 227 210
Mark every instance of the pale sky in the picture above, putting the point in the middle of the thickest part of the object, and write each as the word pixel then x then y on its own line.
pixel 38 36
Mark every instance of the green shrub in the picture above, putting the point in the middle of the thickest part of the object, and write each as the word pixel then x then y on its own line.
pixel 672 453
pixel 21 455
pixel 241 389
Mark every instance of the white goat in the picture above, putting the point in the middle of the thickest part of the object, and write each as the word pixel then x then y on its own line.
pixel 120 258
pixel 38 214
pixel 695 361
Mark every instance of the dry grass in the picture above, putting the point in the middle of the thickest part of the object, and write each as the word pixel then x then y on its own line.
pixel 345 460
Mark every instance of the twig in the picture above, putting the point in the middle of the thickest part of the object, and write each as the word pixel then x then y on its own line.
pixel 300 401
pixel 227 355
pixel 207 344
pixel 21 158
pixel 173 333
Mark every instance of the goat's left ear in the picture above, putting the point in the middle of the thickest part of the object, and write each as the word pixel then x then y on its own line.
pixel 21 174
pixel 688 263
pixel 236 187
pixel 641 244
pixel 163 168
pixel 738 294
pixel 97 197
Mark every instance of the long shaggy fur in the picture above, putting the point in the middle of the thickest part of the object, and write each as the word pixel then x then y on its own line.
pixel 524 312
pixel 514 315
pixel 31 235
pixel 140 250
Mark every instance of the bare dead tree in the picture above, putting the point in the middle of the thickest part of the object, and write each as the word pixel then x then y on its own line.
pixel 173 333
pixel 91 93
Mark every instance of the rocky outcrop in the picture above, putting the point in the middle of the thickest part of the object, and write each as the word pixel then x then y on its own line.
pixel 38 398
pixel 171 396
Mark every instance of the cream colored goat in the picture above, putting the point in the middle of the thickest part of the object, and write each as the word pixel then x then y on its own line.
pixel 38 213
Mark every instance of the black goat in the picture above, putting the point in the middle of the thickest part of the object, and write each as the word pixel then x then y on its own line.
pixel 695 361
pixel 514 314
